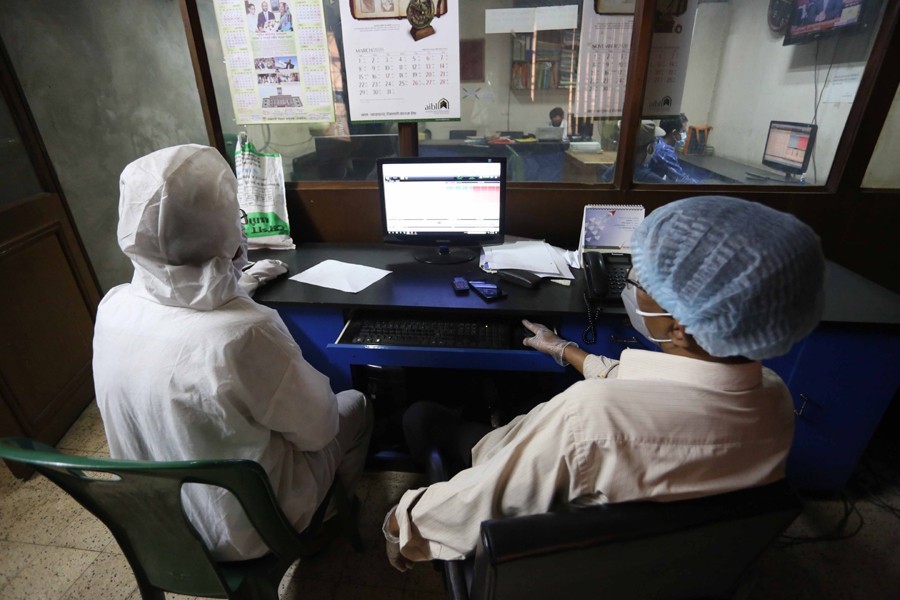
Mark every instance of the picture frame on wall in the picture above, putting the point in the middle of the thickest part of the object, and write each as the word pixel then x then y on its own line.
pixel 471 60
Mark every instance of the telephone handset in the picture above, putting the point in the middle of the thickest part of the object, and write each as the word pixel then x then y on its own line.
pixel 605 274
pixel 596 277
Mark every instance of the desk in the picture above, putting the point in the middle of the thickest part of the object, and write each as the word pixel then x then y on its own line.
pixel 586 167
pixel 842 377
pixel 527 161
pixel 703 167
pixel 316 315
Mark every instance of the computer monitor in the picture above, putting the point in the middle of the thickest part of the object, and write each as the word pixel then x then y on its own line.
pixel 449 204
pixel 812 19
pixel 789 147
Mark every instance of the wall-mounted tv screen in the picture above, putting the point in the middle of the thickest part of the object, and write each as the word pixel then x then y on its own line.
pixel 812 19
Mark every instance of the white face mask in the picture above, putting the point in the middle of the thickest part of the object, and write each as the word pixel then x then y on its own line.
pixel 683 137
pixel 636 315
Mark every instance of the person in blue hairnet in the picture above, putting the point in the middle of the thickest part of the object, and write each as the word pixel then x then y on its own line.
pixel 718 285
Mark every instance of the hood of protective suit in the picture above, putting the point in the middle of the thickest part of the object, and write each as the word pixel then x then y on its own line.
pixel 179 223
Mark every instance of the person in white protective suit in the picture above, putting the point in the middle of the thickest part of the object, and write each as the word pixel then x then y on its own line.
pixel 188 366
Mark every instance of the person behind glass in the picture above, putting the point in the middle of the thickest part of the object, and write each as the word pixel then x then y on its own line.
pixel 187 366
pixel 664 162
pixel 645 146
pixel 558 119
pixel 265 15
pixel 718 285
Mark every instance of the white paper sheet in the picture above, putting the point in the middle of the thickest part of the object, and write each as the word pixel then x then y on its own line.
pixel 535 256
pixel 342 276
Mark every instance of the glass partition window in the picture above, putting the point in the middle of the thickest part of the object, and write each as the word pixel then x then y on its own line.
pixel 882 171
pixel 518 99
pixel 736 92
pixel 765 96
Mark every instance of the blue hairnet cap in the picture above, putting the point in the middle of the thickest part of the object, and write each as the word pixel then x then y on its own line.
pixel 744 279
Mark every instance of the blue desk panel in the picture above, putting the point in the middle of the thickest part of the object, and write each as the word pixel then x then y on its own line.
pixel 842 377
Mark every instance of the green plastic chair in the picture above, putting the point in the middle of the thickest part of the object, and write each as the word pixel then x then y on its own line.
pixel 140 503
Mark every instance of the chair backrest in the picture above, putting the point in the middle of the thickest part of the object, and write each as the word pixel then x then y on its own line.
pixel 461 134
pixel 696 548
pixel 140 503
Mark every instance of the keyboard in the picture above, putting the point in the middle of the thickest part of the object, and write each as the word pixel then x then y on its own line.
pixel 435 332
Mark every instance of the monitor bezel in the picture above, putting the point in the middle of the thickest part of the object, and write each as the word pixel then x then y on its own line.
pixel 449 239
pixel 806 157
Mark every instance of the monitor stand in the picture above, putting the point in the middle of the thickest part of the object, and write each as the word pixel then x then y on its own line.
pixel 443 255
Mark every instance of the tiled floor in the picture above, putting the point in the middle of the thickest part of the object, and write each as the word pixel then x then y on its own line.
pixel 51 548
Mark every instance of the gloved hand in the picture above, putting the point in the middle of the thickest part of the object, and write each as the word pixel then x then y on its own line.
pixel 544 340
pixel 260 273
pixel 397 560
pixel 392 545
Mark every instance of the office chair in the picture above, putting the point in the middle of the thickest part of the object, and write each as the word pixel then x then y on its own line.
pixel 140 503
pixel 461 134
pixel 698 548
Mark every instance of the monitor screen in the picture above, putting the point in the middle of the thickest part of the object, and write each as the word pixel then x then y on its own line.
pixel 789 146
pixel 811 19
pixel 443 202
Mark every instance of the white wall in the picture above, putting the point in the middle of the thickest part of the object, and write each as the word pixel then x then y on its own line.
pixel 760 80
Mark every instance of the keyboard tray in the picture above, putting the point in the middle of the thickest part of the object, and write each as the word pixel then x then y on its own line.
pixel 432 331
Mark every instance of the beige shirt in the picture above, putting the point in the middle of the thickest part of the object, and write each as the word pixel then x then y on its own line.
pixel 651 425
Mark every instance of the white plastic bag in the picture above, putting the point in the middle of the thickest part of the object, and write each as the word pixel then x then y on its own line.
pixel 260 192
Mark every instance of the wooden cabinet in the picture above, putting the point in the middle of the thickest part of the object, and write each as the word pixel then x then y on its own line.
pixel 546 60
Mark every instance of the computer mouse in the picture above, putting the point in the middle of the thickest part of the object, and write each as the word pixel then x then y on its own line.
pixel 520 277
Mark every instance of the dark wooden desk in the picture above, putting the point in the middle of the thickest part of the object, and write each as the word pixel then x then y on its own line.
pixel 703 167
pixel 586 167
pixel 842 376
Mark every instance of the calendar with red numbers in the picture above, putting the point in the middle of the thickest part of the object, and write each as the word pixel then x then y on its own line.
pixel 276 56
pixel 402 69
pixel 603 60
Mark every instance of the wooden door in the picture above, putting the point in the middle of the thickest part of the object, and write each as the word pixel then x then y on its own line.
pixel 48 292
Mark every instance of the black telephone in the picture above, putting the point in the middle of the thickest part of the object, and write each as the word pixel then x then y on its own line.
pixel 605 273
pixel 604 277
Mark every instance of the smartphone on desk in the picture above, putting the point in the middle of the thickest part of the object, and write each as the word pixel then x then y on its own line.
pixel 488 291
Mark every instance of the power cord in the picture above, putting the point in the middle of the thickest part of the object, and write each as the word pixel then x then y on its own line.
pixel 593 315
pixel 835 535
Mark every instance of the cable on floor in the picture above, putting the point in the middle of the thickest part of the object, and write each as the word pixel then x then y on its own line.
pixel 838 533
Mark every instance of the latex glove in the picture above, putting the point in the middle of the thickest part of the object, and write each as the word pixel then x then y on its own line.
pixel 392 545
pixel 544 340
pixel 262 272
pixel 397 560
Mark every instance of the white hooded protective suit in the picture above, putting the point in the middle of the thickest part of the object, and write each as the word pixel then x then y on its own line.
pixel 187 366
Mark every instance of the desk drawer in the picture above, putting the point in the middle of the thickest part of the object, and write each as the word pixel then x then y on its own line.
pixel 510 356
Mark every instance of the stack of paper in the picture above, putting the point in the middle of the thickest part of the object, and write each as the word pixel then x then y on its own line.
pixel 536 256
